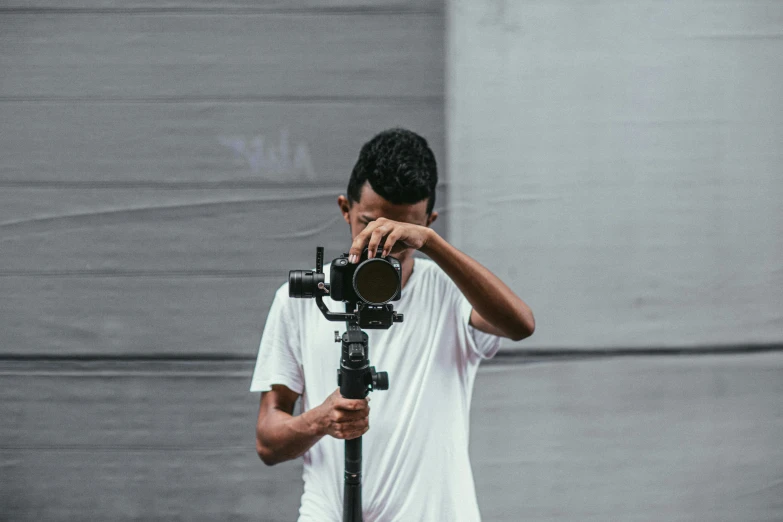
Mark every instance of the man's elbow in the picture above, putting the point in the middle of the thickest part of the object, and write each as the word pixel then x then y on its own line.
pixel 266 455
pixel 525 329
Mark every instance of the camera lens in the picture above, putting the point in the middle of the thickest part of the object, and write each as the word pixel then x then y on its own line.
pixel 303 283
pixel 376 281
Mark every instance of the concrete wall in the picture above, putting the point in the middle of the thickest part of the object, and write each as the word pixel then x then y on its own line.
pixel 620 164
pixel 164 164
pixel 631 439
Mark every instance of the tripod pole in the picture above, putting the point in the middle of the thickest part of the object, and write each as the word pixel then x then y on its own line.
pixel 352 503
pixel 353 381
pixel 356 378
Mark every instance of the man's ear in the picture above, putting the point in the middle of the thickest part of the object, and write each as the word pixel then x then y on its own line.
pixel 431 219
pixel 345 208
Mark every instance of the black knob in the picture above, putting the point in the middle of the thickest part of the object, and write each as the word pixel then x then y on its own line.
pixel 380 380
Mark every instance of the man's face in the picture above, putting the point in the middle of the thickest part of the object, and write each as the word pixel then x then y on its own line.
pixel 371 206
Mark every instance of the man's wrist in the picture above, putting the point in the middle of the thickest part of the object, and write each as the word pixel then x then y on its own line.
pixel 315 422
pixel 430 243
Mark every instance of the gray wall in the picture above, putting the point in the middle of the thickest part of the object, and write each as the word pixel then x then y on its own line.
pixel 164 164
pixel 164 167
pixel 633 439
pixel 620 164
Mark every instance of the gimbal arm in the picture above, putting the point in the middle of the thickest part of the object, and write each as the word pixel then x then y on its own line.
pixel 323 289
pixel 331 316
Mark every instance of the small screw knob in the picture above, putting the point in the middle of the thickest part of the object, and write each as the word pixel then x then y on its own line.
pixel 380 380
pixel 337 337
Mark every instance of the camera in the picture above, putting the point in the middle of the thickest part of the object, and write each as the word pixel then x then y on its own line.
pixel 367 287
pixel 373 281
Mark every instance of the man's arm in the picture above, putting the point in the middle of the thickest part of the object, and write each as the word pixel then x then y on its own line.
pixel 281 436
pixel 496 309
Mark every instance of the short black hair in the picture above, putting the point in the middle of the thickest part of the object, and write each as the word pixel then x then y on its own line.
pixel 400 167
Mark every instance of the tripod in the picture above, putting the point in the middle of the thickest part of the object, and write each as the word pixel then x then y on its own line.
pixel 356 378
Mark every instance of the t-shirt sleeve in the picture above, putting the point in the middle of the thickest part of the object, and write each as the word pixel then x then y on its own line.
pixel 482 344
pixel 279 354
pixel 475 342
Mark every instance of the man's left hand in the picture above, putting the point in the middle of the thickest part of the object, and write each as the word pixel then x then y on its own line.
pixel 398 238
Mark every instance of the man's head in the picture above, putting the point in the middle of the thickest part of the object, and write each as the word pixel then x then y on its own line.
pixel 395 177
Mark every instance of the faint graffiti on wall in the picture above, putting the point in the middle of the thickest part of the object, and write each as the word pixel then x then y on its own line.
pixel 497 14
pixel 273 160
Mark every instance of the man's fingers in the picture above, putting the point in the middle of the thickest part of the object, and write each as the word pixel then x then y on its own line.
pixel 391 239
pixel 352 430
pixel 371 237
pixel 351 404
pixel 375 240
pixel 360 240
pixel 353 425
pixel 348 416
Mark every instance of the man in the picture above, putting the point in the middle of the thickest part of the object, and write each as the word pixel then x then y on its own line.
pixel 416 465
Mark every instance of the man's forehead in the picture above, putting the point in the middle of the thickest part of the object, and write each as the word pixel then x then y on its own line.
pixel 414 212
pixel 371 206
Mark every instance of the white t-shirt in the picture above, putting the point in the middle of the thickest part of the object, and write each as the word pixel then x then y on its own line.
pixel 415 455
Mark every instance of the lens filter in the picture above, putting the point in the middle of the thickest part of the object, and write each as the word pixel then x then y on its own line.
pixel 376 281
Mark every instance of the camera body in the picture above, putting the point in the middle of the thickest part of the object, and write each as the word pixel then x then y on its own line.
pixel 375 281
pixel 365 287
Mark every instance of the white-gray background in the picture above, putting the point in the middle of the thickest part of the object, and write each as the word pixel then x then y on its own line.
pixel 164 164
pixel 621 164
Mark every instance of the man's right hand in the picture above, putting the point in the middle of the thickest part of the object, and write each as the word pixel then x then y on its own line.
pixel 344 418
